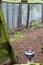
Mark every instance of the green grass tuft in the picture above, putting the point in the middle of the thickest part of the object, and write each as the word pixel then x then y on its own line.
pixel 18 35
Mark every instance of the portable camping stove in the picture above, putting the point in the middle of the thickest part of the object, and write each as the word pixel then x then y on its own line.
pixel 29 54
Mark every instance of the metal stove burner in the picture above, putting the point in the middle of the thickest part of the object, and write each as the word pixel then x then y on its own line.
pixel 29 54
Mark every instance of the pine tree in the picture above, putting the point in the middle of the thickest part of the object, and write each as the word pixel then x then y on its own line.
pixel 19 22
pixel 27 16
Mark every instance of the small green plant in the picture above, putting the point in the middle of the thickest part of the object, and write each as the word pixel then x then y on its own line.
pixel 18 35
pixel 36 24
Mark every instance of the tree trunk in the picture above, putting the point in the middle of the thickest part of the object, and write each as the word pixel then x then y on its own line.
pixel 13 16
pixel 42 12
pixel 7 17
pixel 19 23
pixel 27 23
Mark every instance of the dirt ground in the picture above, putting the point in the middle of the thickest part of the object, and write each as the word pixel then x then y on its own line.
pixel 31 39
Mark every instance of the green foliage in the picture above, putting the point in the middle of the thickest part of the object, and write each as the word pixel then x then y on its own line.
pixel 13 56
pixel 18 35
pixel 3 55
pixel 4 34
pixel 41 64
pixel 3 39
pixel 36 24
pixel 30 64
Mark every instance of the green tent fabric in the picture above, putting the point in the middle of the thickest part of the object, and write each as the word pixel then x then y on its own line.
pixel 6 49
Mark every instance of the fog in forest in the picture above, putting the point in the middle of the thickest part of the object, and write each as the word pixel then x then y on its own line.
pixel 10 12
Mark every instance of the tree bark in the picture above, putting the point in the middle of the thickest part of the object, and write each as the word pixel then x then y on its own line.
pixel 13 16
pixel 19 22
pixel 42 12
pixel 7 17
pixel 27 23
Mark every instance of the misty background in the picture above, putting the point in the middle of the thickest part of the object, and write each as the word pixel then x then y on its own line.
pixel 10 11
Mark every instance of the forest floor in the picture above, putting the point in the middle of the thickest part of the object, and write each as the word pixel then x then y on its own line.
pixel 31 39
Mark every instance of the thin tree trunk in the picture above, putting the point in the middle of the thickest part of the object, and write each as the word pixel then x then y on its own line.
pixel 19 23
pixel 7 17
pixel 27 23
pixel 13 16
pixel 42 12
